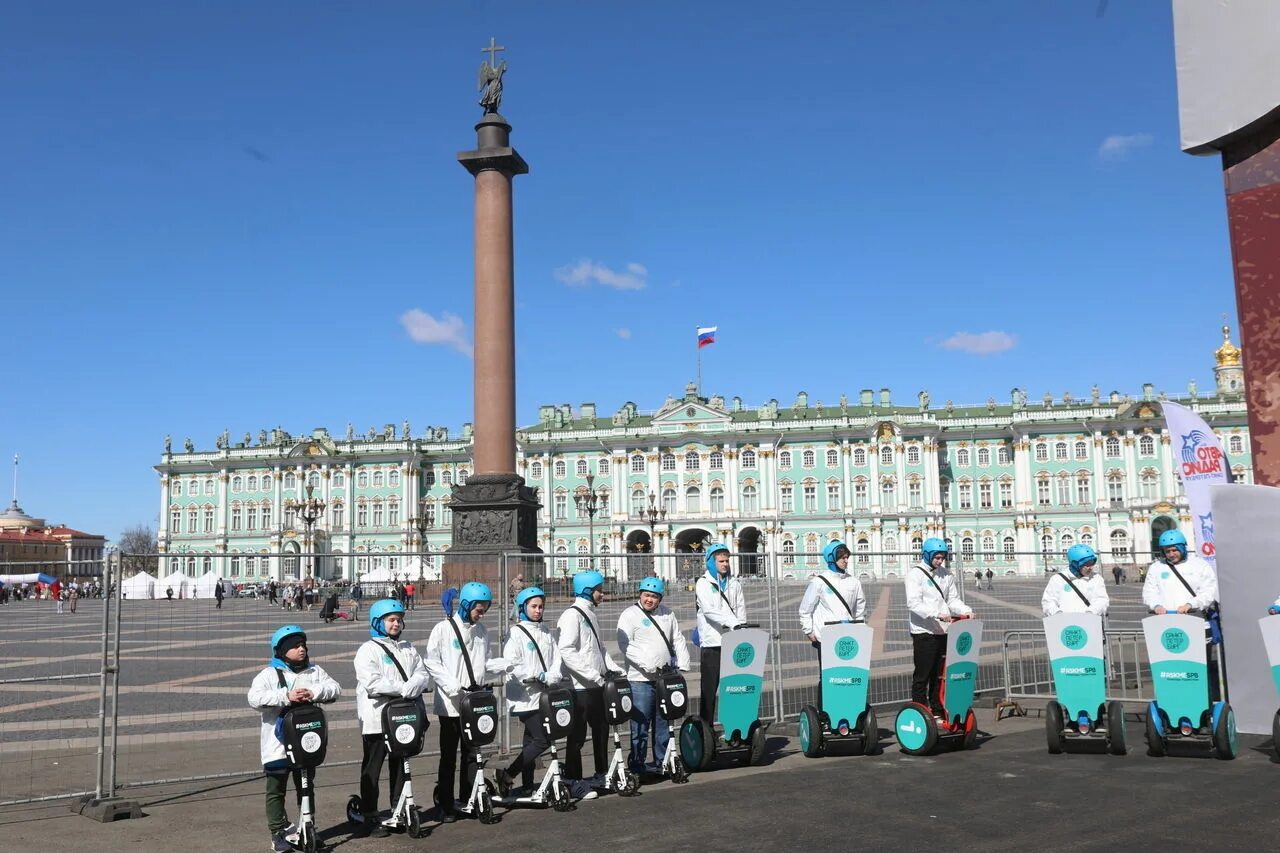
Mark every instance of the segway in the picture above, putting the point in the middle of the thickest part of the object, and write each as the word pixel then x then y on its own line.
pixel 919 731
pixel 673 703
pixel 1270 626
pixel 845 721
pixel 617 712
pixel 478 713
pixel 556 706
pixel 305 733
pixel 742 659
pixel 1181 711
pixel 1080 713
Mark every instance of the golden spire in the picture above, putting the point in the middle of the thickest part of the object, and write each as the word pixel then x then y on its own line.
pixel 1227 355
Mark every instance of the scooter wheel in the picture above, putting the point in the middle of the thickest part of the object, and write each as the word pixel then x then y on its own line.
pixel 680 774
pixel 353 809
pixel 1116 735
pixel 414 829
pixel 484 810
pixel 631 784
pixel 307 838
pixel 1053 723
pixel 810 732
pixel 560 799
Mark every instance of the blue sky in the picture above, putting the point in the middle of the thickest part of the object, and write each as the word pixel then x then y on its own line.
pixel 232 215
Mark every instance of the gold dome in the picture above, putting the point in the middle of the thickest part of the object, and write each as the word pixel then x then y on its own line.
pixel 1227 355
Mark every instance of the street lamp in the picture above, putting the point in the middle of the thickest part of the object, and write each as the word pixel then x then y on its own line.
pixel 310 511
pixel 589 501
pixel 1044 546
pixel 420 523
pixel 653 514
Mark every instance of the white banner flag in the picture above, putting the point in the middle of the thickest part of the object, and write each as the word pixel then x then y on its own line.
pixel 1201 463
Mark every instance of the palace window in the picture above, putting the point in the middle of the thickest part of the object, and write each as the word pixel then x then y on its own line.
pixel 944 491
pixel 1002 454
pixel 339 479
pixel 860 457
pixel 446 476
pixel 748 459
pixel 669 501
pixel 913 454
pixel 984 494
pixel 1006 494
pixel 1042 452
pixel 193 517
pixel 581 468
pixel 1084 495
pixel 1119 545
pixel 1150 485
pixel 393 514
pixel 558 469
pixel 313 479
pixel 1115 489
pixel 1112 447
pixel 860 495
pixel 966 495
pixel 177 488
pixel 208 519
pixel 335 515
pixel 788 552
pixel 691 461
pixel 1009 547
pixel 561 506
pixel 637 463
pixel 750 500
pixel 668 462
pixel 602 466
pixel 237 484
pixel 535 471
pixel 988 548
pixel 833 497
pixel 266 515
pixel 886 454
pixel 377 513
pixel 251 517
pixel 887 497
pixel 1064 490
pixel 784 459
pixel 810 493
pixel 291 482
pixel 251 483
pixel 235 518
pixel 1060 451
pixel 393 479
pixel 378 479
pixel 863 549
pixel 638 503
pixel 1235 444
pixel 362 515
pixel 235 567
pixel 1042 491
pixel 786 499
pixel 362 480
pixel 962 457
pixel 1146 446
pixel 833 458
pixel 1082 450
pixel 984 456
pixel 208 488
pixel 463 473
pixel 891 550
pixel 693 500
pixel 966 548
pixel 716 461
pixel 915 494
pixel 717 500
pixel 808 459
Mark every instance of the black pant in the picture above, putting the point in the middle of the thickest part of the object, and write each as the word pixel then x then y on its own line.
pixel 450 744
pixel 588 707
pixel 929 651
pixel 710 683
pixel 375 752
pixel 536 742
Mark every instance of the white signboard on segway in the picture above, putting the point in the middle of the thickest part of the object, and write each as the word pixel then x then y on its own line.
pixel 1080 711
pixel 845 716
pixel 1270 626
pixel 1180 674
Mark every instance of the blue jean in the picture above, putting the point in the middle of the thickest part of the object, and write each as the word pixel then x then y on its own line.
pixel 644 715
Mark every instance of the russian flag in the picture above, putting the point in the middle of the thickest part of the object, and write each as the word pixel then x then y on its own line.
pixel 706 336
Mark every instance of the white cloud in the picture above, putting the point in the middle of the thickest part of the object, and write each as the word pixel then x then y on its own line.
pixel 1117 146
pixel 985 343
pixel 624 333
pixel 587 272
pixel 449 330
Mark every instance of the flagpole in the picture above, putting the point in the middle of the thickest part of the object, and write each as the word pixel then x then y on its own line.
pixel 697 343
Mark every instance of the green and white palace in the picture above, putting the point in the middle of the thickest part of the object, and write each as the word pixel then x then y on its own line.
pixel 1011 485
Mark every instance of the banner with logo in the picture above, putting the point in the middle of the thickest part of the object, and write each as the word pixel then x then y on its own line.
pixel 1075 660
pixel 1201 464
pixel 742 659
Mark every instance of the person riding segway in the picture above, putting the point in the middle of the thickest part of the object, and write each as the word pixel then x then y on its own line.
pixel 390 679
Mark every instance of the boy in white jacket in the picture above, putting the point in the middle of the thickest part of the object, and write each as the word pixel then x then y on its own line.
pixel 289 679
pixel 650 640
pixel 585 663
pixel 932 602
pixel 378 681
pixel 460 633
pixel 531 649
pixel 721 607
pixel 1059 595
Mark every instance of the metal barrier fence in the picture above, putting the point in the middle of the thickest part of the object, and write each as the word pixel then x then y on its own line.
pixel 140 688
pixel 1027 675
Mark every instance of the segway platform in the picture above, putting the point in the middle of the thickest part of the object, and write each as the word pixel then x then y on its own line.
pixel 1181 711
pixel 742 659
pixel 1080 711
pixel 1270 626
pixel 846 719
pixel 919 732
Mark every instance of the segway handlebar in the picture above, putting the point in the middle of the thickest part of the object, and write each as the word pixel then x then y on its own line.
pixel 846 622
pixel 746 625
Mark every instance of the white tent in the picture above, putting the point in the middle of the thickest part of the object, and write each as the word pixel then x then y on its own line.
pixel 181 586
pixel 205 584
pixel 379 575
pixel 422 568
pixel 141 585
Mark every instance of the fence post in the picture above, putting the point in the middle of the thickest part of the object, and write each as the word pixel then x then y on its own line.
pixel 102 682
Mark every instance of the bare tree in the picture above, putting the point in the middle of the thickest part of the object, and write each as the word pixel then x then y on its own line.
pixel 138 550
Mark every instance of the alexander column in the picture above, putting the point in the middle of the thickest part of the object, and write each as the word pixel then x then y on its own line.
pixel 494 511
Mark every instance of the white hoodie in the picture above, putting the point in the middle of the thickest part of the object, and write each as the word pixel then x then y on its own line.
pixel 644 650
pixel 925 604
pixel 1059 597
pixel 714 616
pixel 1163 589
pixel 267 696
pixel 444 662
pixel 377 679
pixel 583 658
pixel 820 605
pixel 523 654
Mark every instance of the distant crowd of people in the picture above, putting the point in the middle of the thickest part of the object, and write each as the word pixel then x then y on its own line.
pixel 65 596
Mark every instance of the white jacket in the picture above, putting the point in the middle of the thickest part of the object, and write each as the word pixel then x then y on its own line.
pixel 444 662
pixel 1163 589
pixel 714 616
pixel 266 695
pixel 377 680
pixel 925 605
pixel 583 658
pixel 1059 598
pixel 523 655
pixel 820 605
pixel 645 651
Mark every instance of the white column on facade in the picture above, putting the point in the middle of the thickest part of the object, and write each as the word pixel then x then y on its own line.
pixel 655 473
pixel 1099 472
pixel 900 465
pixel 620 498
pixel 1167 489
pixel 933 477
pixel 1128 448
pixel 1023 483
pixel 731 501
pixel 873 488
pixel 165 480
pixel 846 476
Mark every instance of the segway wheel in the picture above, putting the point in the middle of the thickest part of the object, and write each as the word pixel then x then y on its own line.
pixel 353 810
pixel 870 732
pixel 810 732
pixel 1053 727
pixel 1116 736
pixel 1275 735
pixel 1224 734
pixel 307 838
pixel 560 799
pixel 697 743
pixel 414 829
pixel 631 784
pixel 916 730
pixel 970 739
pixel 758 739
pixel 1155 742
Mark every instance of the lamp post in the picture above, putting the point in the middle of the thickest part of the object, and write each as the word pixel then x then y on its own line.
pixel 309 510
pixel 588 501
pixel 653 514
pixel 1044 548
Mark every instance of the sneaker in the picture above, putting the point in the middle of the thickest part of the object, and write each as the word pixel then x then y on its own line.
pixel 279 844
pixel 379 830
pixel 580 789
pixel 504 784
pixel 444 816
pixel 291 833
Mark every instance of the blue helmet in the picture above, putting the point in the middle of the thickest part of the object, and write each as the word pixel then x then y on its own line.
pixel 1176 539
pixel 584 583
pixel 655 585
pixel 472 593
pixel 711 557
pixel 834 550
pixel 1079 556
pixel 283 633
pixel 932 547
pixel 522 598
pixel 380 609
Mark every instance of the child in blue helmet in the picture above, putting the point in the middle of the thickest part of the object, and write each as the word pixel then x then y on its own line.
pixel 460 633
pixel 378 681
pixel 650 640
pixel 721 607
pixel 289 679
pixel 1274 609
pixel 933 600
pixel 531 648
pixel 1083 591
pixel 585 663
